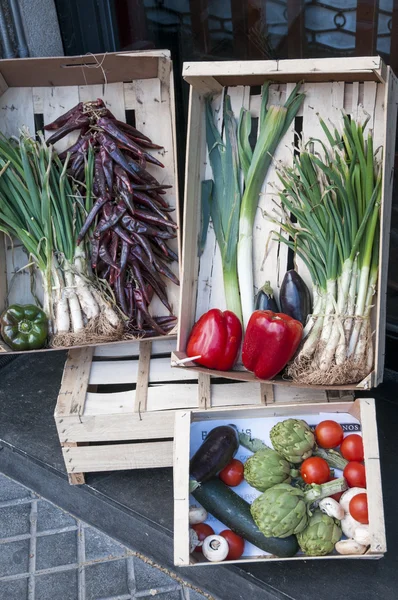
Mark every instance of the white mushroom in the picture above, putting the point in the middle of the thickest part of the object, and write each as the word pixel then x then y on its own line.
pixel 193 540
pixel 349 547
pixel 348 496
pixel 362 535
pixel 197 514
pixel 349 525
pixel 215 548
pixel 332 508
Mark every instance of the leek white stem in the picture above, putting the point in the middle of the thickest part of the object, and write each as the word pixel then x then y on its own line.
pixel 245 271
pixel 74 306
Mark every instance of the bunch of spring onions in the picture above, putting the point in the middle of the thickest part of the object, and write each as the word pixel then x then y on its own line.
pixel 42 208
pixel 335 200
pixel 232 209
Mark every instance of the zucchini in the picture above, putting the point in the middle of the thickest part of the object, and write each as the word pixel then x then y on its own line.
pixel 234 512
pixel 215 453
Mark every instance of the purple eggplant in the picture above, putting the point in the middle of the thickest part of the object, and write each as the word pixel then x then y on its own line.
pixel 294 297
pixel 265 299
pixel 215 453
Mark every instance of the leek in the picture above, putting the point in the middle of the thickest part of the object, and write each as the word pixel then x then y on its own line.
pixel 273 125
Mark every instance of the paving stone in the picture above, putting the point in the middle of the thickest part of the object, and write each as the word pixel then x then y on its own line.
pixel 14 520
pixel 14 590
pixel 171 595
pixel 98 545
pixel 56 549
pixel 148 577
pixel 10 490
pixel 51 517
pixel 194 595
pixel 106 580
pixel 57 586
pixel 14 558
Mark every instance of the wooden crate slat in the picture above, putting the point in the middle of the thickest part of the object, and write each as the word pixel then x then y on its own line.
pixel 16 111
pixel 111 93
pixel 141 392
pixel 161 346
pixel 75 379
pixel 110 428
pixel 125 371
pixel 109 403
pixel 119 457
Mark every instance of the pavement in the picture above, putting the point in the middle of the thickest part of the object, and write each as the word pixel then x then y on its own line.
pixel 47 554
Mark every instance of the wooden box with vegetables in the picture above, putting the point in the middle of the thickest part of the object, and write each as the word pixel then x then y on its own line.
pixel 287 218
pixel 88 187
pixel 278 483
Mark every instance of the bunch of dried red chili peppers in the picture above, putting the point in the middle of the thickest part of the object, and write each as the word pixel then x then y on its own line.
pixel 129 223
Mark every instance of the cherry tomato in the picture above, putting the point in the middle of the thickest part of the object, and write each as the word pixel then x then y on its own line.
pixel 235 542
pixel 339 494
pixel 202 530
pixel 232 474
pixel 352 447
pixel 329 434
pixel 315 470
pixel 359 508
pixel 355 474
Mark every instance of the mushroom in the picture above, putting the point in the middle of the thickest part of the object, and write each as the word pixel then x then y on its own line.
pixel 349 547
pixel 197 514
pixel 215 548
pixel 349 525
pixel 332 508
pixel 348 496
pixel 362 535
pixel 193 540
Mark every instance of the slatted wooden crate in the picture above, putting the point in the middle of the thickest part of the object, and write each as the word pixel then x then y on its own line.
pixel 362 87
pixel 116 405
pixel 135 86
pixel 362 409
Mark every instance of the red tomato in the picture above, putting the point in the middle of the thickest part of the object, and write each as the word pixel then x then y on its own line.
pixel 329 434
pixel 202 530
pixel 359 508
pixel 315 470
pixel 339 494
pixel 235 542
pixel 232 474
pixel 355 474
pixel 352 447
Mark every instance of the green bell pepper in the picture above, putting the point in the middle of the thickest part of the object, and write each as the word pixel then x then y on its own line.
pixel 24 327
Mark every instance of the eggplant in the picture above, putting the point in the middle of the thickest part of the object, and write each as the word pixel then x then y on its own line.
pixel 294 297
pixel 265 299
pixel 215 453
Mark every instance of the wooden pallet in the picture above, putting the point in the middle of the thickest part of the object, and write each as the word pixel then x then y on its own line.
pixel 132 84
pixel 117 404
pixel 361 87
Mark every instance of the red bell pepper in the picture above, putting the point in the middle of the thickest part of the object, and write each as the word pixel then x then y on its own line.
pixel 270 341
pixel 216 337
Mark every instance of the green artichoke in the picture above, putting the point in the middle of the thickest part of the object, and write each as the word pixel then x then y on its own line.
pixel 283 510
pixel 293 439
pixel 267 468
pixel 320 535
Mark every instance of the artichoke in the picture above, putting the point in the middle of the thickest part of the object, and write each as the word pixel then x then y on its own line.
pixel 267 468
pixel 320 535
pixel 293 439
pixel 283 510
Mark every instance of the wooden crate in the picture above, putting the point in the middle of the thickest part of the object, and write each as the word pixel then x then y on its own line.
pixel 116 405
pixel 38 90
pixel 362 409
pixel 360 86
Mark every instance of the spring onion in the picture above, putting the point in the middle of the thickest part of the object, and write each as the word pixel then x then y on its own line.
pixel 335 198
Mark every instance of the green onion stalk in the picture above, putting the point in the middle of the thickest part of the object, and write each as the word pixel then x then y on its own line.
pixel 334 197
pixel 43 207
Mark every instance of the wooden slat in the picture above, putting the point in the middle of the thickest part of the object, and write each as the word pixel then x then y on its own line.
pixel 118 457
pixel 389 125
pixel 204 400
pixel 16 111
pixel 74 383
pixel 141 392
pixel 111 93
pixel 160 346
pixel 126 371
pixel 181 487
pixel 111 428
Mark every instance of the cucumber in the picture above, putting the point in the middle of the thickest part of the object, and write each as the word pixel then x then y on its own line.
pixel 234 512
